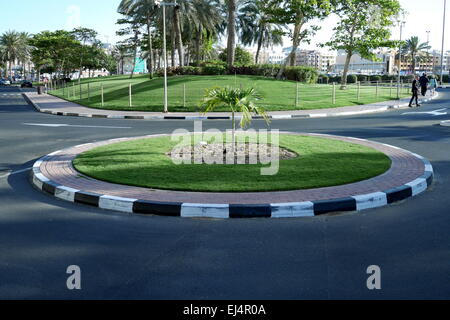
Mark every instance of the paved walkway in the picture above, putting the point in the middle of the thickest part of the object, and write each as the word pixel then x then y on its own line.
pixel 53 105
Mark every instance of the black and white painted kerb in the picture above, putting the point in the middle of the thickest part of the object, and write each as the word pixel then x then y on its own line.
pixel 224 211
pixel 195 118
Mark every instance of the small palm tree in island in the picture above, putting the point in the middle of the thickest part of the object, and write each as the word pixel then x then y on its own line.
pixel 236 100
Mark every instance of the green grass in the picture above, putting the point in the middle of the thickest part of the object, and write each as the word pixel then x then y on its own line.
pixel 147 95
pixel 322 162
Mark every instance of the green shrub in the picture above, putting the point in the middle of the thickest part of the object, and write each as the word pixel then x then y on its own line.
pixel 336 79
pixel 171 71
pixel 302 74
pixel 445 78
pixel 408 78
pixel 361 78
pixel 375 78
pixel 192 71
pixel 213 70
pixel 213 62
pixel 388 77
pixel 351 78
pixel 324 79
pixel 267 70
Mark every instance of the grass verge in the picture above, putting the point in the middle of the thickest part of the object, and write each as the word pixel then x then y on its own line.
pixel 322 163
pixel 186 92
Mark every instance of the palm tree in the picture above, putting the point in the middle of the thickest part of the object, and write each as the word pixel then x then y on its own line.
pixel 415 50
pixel 143 9
pixel 203 14
pixel 25 51
pixel 12 44
pixel 231 31
pixel 2 61
pixel 205 24
pixel 188 18
pixel 237 100
pixel 120 53
pixel 256 29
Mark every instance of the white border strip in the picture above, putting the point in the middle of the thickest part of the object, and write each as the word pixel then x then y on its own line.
pixel 197 210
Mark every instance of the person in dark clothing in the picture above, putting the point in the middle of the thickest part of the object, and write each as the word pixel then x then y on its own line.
pixel 415 92
pixel 424 84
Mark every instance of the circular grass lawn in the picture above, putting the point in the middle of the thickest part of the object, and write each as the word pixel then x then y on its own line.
pixel 320 163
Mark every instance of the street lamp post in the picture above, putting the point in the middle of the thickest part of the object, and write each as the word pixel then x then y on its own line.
pixel 443 40
pixel 402 24
pixel 164 5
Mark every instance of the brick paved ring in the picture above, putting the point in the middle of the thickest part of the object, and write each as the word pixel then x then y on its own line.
pixel 409 175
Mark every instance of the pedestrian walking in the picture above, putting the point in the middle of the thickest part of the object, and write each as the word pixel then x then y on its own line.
pixel 433 85
pixel 424 84
pixel 415 92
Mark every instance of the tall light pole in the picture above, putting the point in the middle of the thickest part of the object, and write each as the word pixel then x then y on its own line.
pixel 402 24
pixel 443 41
pixel 164 5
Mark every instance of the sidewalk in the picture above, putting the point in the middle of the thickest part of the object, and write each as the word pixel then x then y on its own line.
pixel 52 105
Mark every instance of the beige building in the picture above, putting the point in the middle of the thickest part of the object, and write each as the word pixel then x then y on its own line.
pixel 322 62
pixel 430 62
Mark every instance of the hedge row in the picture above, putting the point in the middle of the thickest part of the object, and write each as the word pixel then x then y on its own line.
pixel 301 74
pixel 352 78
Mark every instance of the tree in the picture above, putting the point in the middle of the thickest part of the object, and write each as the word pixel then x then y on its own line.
pixel 255 27
pixel 3 61
pixel 84 35
pixel 363 27
pixel 132 42
pixel 201 19
pixel 203 28
pixel 231 31
pixel 96 58
pixel 142 9
pixel 300 14
pixel 25 51
pixel 202 14
pixel 12 44
pixel 242 57
pixel 120 53
pixel 415 50
pixel 58 51
pixel 237 100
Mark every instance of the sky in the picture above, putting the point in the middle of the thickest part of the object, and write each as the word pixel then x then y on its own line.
pixel 34 16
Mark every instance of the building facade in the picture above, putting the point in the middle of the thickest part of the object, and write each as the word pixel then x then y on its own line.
pixel 384 64
pixel 429 62
pixel 323 62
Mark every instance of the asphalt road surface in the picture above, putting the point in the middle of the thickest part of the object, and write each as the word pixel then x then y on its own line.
pixel 145 257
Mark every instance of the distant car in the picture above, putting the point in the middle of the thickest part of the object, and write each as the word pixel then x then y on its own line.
pixel 26 84
pixel 4 82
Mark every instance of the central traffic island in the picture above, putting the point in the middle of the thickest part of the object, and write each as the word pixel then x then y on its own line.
pixel 259 175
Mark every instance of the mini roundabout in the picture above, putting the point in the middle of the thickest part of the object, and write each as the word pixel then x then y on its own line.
pixel 263 176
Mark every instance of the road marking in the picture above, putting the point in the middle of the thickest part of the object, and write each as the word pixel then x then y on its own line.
pixel 59 125
pixel 432 113
pixel 15 172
